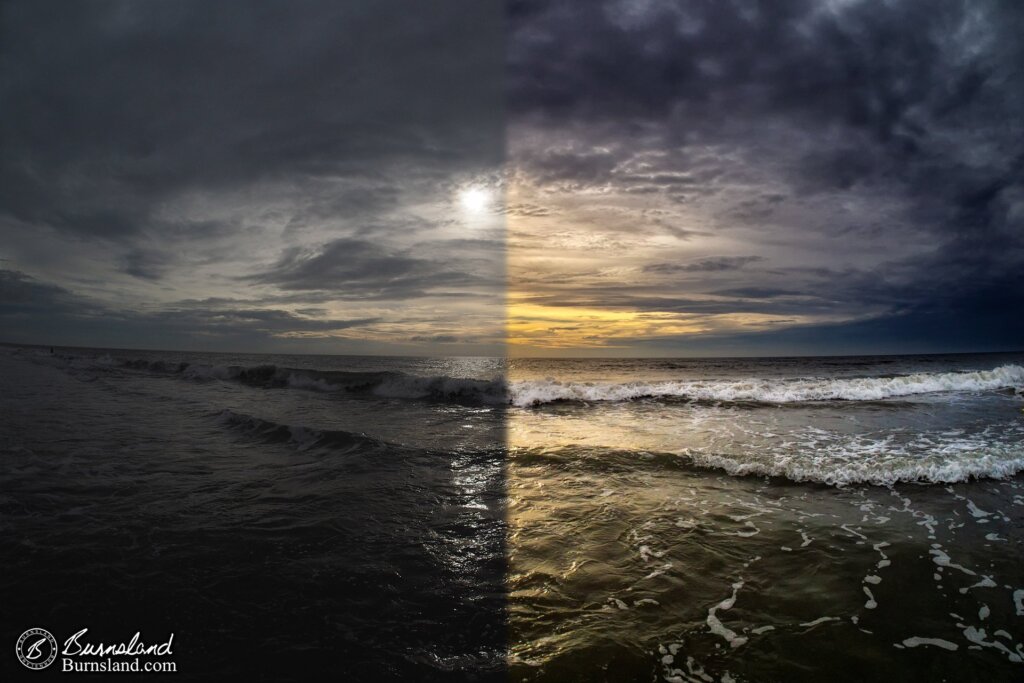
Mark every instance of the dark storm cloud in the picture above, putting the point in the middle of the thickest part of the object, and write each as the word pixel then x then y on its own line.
pixel 147 264
pixel 437 338
pixel 21 295
pixel 112 106
pixel 707 265
pixel 254 320
pixel 29 306
pixel 359 269
pixel 649 303
pixel 915 107
pixel 576 166
pixel 756 292
pixel 860 64
pixel 162 151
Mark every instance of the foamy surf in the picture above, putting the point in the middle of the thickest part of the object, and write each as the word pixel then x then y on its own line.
pixel 788 390
pixel 932 457
pixel 538 392
pixel 998 462
pixel 826 458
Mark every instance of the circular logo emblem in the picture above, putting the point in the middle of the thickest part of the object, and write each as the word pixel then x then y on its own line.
pixel 37 648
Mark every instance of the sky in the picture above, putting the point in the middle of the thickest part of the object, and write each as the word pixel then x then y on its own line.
pixel 642 178
pixel 785 177
pixel 252 176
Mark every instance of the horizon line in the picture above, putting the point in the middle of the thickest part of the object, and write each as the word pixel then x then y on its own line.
pixel 514 357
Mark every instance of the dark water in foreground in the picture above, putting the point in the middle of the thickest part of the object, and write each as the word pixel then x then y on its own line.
pixel 280 534
pixel 293 517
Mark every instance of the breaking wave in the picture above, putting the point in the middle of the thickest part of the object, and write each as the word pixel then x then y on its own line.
pixel 870 464
pixel 532 393
pixel 819 456
pixel 383 384
pixel 796 390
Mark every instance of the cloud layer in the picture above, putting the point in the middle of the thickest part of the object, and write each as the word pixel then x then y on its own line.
pixel 794 176
pixel 283 155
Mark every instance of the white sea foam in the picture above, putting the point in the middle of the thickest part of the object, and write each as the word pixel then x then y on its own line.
pixel 839 473
pixel 918 641
pixel 715 624
pixel 538 392
pixel 977 636
pixel 871 602
pixel 996 451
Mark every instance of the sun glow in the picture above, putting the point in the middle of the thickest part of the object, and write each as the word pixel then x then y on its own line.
pixel 474 199
pixel 536 326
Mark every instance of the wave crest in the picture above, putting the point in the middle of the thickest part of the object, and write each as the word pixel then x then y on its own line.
pixel 383 384
pixel 303 438
pixel 820 457
pixel 533 393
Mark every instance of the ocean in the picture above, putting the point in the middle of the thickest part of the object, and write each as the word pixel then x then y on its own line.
pixel 285 517
pixel 377 518
pixel 784 519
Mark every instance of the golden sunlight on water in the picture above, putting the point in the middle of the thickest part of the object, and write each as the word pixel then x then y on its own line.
pixel 646 543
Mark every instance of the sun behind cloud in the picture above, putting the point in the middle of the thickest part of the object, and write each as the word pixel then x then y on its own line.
pixel 474 199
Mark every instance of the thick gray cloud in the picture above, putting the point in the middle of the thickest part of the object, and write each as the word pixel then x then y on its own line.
pixel 155 153
pixel 31 310
pixel 23 295
pixel 114 106
pixel 780 170
pixel 868 156
pixel 705 265
pixel 359 269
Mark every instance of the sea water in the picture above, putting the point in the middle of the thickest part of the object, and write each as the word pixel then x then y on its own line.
pixel 784 519
pixel 550 520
